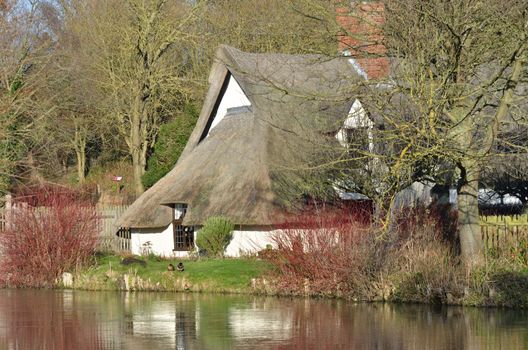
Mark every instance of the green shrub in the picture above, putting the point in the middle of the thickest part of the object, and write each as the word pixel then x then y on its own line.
pixel 215 235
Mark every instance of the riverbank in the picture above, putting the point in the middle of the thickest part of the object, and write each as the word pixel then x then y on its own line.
pixel 151 274
pixel 255 276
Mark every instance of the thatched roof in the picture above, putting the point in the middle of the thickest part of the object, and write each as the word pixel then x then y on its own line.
pixel 231 170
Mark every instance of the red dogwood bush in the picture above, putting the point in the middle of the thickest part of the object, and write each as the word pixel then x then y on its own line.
pixel 341 250
pixel 325 247
pixel 39 243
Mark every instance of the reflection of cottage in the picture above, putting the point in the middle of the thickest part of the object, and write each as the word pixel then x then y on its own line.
pixel 273 324
pixel 261 115
pixel 171 324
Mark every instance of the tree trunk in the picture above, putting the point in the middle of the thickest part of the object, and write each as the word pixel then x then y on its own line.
pixel 137 163
pixel 468 215
pixel 80 153
pixel 81 164
pixel 471 245
pixel 136 143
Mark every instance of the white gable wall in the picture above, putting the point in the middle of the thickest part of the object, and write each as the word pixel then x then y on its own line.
pixel 357 118
pixel 233 97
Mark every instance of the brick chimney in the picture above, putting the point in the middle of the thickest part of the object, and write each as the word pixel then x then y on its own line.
pixel 361 36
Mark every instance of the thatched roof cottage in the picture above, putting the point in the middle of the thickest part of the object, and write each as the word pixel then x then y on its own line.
pixel 260 116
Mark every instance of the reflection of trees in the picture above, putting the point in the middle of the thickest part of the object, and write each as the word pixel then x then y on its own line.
pixel 49 320
pixel 214 322
pixel 340 325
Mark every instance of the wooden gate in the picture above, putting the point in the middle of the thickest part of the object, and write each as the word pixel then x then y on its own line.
pixel 113 238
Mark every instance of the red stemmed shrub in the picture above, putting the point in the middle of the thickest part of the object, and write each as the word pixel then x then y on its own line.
pixel 341 250
pixel 41 242
pixel 329 248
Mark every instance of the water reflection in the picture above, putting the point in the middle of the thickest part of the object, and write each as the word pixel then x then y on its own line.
pixel 98 320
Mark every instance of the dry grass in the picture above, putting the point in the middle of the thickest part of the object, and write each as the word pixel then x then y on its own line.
pixel 417 261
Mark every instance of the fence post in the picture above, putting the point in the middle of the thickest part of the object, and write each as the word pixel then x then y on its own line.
pixel 8 211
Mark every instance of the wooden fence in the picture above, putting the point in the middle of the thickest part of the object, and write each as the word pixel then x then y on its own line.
pixel 504 231
pixel 497 231
pixel 112 238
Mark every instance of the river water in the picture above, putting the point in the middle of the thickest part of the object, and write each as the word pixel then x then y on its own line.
pixel 40 319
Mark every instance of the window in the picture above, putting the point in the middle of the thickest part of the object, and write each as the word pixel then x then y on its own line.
pixel 183 235
pixel 357 140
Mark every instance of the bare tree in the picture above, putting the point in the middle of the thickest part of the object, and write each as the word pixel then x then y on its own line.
pixel 453 93
pixel 461 66
pixel 135 52
pixel 24 46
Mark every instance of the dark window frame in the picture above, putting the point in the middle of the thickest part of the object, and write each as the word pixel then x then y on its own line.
pixel 182 236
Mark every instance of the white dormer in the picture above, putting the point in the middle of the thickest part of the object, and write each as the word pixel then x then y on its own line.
pixel 357 119
pixel 233 97
pixel 357 124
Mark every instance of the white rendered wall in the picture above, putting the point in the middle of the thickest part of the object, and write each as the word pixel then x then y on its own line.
pixel 233 97
pixel 161 240
pixel 249 242
pixel 416 193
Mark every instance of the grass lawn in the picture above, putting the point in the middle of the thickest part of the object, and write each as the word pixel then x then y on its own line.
pixel 220 275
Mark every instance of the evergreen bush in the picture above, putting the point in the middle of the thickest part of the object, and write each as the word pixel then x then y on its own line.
pixel 172 138
pixel 215 235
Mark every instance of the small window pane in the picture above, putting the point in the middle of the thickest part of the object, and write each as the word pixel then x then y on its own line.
pixel 183 235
